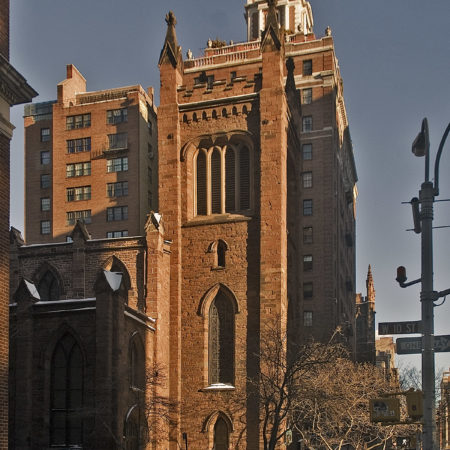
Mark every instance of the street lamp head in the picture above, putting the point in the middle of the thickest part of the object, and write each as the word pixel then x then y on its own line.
pixel 421 144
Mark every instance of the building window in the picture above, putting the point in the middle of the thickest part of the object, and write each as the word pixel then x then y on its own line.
pixel 73 216
pixel 79 145
pixel 48 286
pixel 307 263
pixel 221 438
pixel 45 158
pixel 307 207
pixel 118 141
pixel 307 96
pixel 117 234
pixel 221 341
pixel 79 121
pixel 307 318
pixel 221 251
pixel 118 189
pixel 307 152
pixel 150 175
pixel 78 193
pixel 66 394
pixel 307 67
pixel 307 290
pixel 307 180
pixel 150 151
pixel 45 134
pixel 307 124
pixel 45 226
pixel 117 213
pixel 78 169
pixel 117 164
pixel 137 364
pixel 308 235
pixel 114 116
pixel 45 204
pixel 218 195
pixel 45 181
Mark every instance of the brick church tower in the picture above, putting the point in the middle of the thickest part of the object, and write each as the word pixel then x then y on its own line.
pixel 257 191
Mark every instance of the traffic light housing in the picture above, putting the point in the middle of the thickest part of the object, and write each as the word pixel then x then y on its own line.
pixel 414 404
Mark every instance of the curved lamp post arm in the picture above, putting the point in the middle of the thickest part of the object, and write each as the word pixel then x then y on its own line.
pixel 438 158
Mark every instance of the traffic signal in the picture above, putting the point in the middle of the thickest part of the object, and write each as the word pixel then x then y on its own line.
pixel 414 403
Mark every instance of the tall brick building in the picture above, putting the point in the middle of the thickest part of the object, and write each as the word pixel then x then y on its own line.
pixel 13 90
pixel 87 154
pixel 257 192
pixel 262 220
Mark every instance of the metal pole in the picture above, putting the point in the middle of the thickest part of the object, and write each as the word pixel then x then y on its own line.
pixel 427 298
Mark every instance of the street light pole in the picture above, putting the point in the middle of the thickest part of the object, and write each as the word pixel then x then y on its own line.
pixel 427 193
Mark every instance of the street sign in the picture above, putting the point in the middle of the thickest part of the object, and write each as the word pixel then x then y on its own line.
pixel 384 409
pixel 408 346
pixel 411 327
pixel 442 343
pixel 413 345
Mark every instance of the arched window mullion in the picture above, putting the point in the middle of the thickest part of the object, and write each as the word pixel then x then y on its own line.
pixel 230 179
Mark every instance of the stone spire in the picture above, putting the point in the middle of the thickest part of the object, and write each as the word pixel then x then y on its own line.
pixel 271 33
pixel 171 50
pixel 370 286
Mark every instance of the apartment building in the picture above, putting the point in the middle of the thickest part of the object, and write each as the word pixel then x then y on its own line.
pixel 90 156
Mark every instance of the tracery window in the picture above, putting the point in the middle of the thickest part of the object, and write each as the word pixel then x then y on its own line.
pixel 221 340
pixel 48 286
pixel 223 180
pixel 66 394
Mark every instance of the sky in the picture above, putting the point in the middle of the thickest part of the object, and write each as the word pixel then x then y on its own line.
pixel 395 62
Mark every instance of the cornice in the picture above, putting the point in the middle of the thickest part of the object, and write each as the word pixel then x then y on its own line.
pixel 13 86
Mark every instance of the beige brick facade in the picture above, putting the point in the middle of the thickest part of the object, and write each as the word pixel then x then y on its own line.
pixel 100 152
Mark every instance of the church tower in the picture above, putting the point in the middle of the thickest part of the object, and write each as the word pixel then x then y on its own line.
pixel 257 193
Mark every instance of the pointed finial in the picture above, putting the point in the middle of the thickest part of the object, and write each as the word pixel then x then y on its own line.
pixel 171 50
pixel 171 20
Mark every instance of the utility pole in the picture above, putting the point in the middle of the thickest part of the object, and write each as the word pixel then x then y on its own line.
pixel 423 223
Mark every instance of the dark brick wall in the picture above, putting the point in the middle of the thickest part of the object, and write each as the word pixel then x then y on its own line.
pixel 4 28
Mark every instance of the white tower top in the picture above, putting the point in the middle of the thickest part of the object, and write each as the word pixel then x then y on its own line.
pixel 294 15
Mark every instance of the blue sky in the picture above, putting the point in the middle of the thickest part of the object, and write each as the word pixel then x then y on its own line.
pixel 394 59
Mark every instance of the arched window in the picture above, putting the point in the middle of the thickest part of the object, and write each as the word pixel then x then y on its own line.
pixel 66 394
pixel 204 116
pixel 214 114
pixel 136 432
pixel 221 340
pixel 185 119
pixel 221 440
pixel 137 363
pixel 234 111
pixel 201 183
pixel 194 117
pixel 244 110
pixel 218 194
pixel 48 286
pixel 221 250
pixel 224 112
pixel 216 165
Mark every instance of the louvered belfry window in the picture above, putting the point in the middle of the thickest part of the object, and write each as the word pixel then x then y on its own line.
pixel 221 341
pixel 223 180
pixel 201 183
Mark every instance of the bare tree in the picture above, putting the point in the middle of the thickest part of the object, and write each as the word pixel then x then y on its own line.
pixel 319 393
pixel 281 382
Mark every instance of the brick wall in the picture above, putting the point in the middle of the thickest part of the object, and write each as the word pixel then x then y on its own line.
pixel 4 287
pixel 4 28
